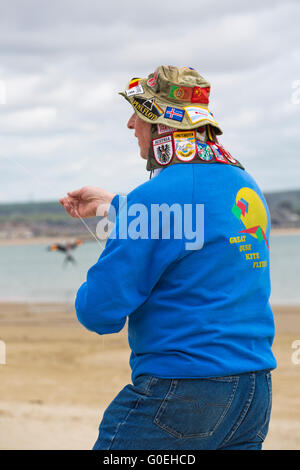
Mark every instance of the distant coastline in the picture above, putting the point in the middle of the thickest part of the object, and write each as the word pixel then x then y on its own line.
pixel 66 239
pixel 45 222
pixel 285 231
pixel 39 240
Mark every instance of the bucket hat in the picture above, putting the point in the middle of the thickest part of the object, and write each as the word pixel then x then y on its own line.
pixel 172 96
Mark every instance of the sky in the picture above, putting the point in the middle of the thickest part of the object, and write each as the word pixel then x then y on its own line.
pixel 63 62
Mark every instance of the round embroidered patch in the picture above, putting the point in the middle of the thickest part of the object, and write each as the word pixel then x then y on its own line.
pixel 204 151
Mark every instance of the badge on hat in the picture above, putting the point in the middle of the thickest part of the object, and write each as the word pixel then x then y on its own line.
pixel 204 151
pixel 152 106
pixel 147 107
pixel 136 90
pixel 198 114
pixel 163 150
pixel 175 114
pixel 182 93
pixel 151 82
pixel 133 82
pixel 200 95
pixel 185 145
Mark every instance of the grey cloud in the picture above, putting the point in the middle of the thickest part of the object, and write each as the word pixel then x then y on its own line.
pixel 65 61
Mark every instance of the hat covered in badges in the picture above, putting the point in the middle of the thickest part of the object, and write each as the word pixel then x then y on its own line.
pixel 173 96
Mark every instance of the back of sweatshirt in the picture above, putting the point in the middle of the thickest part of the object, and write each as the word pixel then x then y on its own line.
pixel 196 288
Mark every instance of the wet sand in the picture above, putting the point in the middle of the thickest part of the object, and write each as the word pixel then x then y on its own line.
pixel 59 378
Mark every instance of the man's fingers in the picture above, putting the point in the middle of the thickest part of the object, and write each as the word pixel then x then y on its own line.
pixel 70 205
pixel 73 212
pixel 77 193
pixel 73 208
pixel 67 200
pixel 63 200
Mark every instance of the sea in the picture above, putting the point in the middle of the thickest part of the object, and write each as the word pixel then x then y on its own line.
pixel 31 273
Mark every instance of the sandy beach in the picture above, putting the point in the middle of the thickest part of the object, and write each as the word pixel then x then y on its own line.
pixel 59 378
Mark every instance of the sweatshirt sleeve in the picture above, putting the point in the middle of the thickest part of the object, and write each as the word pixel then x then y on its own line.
pixel 128 268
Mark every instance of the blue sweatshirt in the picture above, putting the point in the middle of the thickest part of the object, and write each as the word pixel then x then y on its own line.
pixel 196 307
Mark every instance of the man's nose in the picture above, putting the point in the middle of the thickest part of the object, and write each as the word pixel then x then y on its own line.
pixel 131 122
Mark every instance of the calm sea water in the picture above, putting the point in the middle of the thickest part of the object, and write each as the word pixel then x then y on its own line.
pixel 31 273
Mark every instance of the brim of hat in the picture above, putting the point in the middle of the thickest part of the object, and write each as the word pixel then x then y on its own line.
pixel 186 123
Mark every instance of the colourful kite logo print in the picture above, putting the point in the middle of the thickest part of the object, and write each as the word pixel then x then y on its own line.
pixel 250 210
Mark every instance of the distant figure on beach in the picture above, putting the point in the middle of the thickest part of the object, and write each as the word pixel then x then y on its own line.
pixel 187 263
pixel 66 248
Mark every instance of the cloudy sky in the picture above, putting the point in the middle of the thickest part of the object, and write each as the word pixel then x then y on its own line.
pixel 62 63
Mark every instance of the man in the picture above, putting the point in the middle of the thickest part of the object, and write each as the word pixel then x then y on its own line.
pixel 195 290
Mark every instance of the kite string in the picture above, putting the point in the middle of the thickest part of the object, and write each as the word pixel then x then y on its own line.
pixel 45 185
pixel 86 226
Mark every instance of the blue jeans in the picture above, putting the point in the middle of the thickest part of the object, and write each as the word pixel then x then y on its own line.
pixel 223 413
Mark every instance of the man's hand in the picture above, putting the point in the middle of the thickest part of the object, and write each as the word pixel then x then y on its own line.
pixel 88 201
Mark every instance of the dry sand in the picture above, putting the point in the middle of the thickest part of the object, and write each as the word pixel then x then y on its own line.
pixel 59 378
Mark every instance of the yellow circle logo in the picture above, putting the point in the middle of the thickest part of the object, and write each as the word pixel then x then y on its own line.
pixel 250 210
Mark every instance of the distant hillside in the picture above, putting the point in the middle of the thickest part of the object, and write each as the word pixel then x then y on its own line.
pixel 19 212
pixel 50 219
pixel 284 208
pixel 40 219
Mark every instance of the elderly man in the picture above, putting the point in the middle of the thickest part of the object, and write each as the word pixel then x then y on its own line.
pixel 200 325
